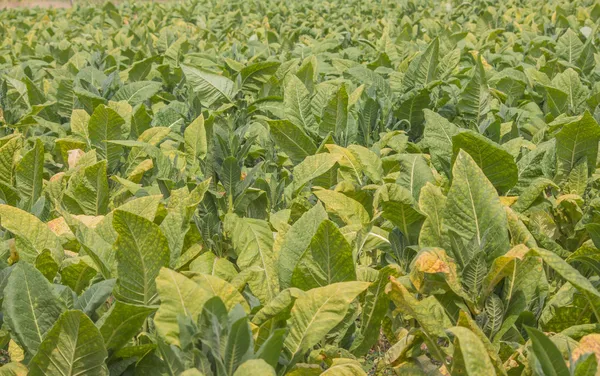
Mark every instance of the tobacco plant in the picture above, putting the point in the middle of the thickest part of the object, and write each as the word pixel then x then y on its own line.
pixel 300 188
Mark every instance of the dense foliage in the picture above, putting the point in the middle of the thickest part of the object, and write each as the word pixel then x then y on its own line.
pixel 251 187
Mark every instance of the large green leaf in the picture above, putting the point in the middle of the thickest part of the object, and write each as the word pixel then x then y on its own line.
pixel 8 152
pixel 30 307
pixel 176 224
pixel 475 99
pixel 137 92
pixel 423 69
pixel 105 125
pixel 437 136
pixel 87 190
pixel 296 241
pixel 292 139
pixel 473 209
pixel 497 164
pixel 121 323
pixel 270 349
pixel 399 207
pixel 77 274
pixel 140 69
pixel 209 263
pixel 278 308
pixel 211 87
pixel 501 267
pixel 195 140
pixel 231 175
pixel 557 101
pixel 140 121
pixel 72 347
pixel 239 345
pixel 297 106
pixel 335 114
pixel 29 174
pixel 328 259
pixel 411 110
pixel 547 354
pixel 432 204
pixel 414 173
pixel 531 166
pixel 374 307
pixel 370 163
pixel 464 320
pixel 431 317
pixel 95 244
pixel 258 72
pixel 96 295
pixel 216 286
pixel 578 138
pixel 141 251
pixel 569 46
pixel 577 93
pixel 573 276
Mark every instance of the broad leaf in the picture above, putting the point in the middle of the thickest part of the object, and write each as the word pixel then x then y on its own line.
pixel 72 347
pixel 29 174
pixel 292 139
pixel 142 250
pixel 297 106
pixel 316 313
pixel 178 295
pixel 195 140
pixel 470 356
pixel 33 236
pixel 253 242
pixel 328 259
pixel 547 354
pixel 137 92
pixel 497 164
pixel 577 139
pixel 105 125
pixel 296 241
pixel 374 307
pixel 473 209
pixel 312 167
pixel 423 69
pixel 30 307
pixel 475 98
pixel 121 323
pixel 210 87
pixel 347 209
pixel 335 115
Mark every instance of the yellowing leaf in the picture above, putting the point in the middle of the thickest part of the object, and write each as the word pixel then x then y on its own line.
pixel 348 209
pixel 33 236
pixel 316 313
pixel 178 295
pixel 469 354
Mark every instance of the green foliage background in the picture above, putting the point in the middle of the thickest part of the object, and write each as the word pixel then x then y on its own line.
pixel 300 188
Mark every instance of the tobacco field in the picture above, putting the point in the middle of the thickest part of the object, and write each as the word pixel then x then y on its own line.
pixel 337 188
